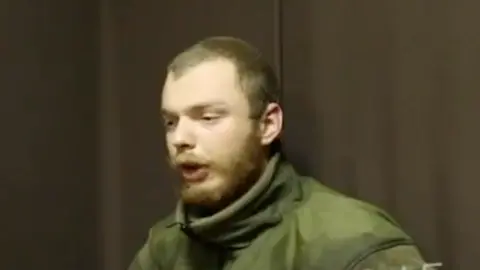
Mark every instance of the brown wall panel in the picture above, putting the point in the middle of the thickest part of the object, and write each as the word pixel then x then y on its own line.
pixel 48 76
pixel 381 101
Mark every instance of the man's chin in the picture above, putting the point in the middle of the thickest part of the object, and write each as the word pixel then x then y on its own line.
pixel 199 194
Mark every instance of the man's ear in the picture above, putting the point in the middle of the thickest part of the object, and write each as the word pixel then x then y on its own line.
pixel 271 123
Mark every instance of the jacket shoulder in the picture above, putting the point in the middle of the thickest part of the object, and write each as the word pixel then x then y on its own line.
pixel 339 230
pixel 341 216
pixel 162 236
pixel 162 229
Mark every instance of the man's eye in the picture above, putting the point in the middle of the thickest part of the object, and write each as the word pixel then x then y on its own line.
pixel 168 123
pixel 209 118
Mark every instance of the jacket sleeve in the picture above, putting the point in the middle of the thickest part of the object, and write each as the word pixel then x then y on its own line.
pixel 399 257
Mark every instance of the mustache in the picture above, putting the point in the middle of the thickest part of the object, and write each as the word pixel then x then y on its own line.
pixel 187 159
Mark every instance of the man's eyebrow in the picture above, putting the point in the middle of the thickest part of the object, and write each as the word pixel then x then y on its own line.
pixel 165 112
pixel 206 105
pixel 197 107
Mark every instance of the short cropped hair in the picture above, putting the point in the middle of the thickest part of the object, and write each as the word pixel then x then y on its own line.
pixel 256 77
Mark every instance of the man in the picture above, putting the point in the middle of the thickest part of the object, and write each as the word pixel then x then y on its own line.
pixel 242 205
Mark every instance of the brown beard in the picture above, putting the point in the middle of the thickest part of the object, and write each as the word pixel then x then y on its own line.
pixel 242 172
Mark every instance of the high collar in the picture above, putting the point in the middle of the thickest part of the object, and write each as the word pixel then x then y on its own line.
pixel 258 209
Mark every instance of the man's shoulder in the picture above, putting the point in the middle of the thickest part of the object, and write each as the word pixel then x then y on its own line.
pixel 163 230
pixel 343 228
pixel 328 213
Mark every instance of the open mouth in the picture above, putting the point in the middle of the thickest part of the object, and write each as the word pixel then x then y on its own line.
pixel 193 172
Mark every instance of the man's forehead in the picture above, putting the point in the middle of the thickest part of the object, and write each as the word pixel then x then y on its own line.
pixel 210 71
pixel 213 82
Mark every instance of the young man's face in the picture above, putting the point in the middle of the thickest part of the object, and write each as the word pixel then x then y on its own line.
pixel 210 138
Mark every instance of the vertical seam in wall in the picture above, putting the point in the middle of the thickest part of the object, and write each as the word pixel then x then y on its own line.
pixel 109 195
pixel 278 44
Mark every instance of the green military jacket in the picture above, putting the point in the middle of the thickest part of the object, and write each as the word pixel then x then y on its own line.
pixel 284 222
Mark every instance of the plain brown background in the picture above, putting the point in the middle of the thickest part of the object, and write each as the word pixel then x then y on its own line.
pixel 381 102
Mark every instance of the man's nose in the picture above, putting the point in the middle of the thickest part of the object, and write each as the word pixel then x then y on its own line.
pixel 183 137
